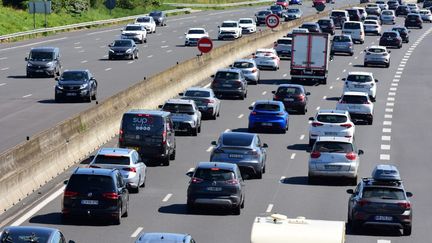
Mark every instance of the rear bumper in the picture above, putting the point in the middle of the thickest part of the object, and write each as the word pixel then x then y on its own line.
pixel 153 152
pixel 41 71
pixel 275 124
pixel 222 201
pixel 328 173
pixel 91 213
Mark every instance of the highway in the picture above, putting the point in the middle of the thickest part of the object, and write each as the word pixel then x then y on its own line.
pixel 399 135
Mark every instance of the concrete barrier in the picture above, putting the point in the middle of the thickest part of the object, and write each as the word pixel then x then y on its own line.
pixel 29 165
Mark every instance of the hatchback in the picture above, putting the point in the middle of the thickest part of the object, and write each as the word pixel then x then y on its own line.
pixel 208 104
pixel 382 4
pixel 361 82
pixel 283 47
pixel 426 15
pixel 391 39
pixel 21 234
pixel 267 114
pixel 374 17
pixel 260 17
pixel 293 13
pixel 355 29
pixel 358 105
pixel 388 16
pixel 293 96
pixel 229 82
pixel 377 55
pixel 76 84
pixel 413 7
pixel 244 149
pixel 267 59
pixel 277 9
pixel 372 27
pixel 327 26
pixel 403 32
pixel 159 237
pixel 402 10
pixel 249 68
pixel 159 17
pixel 342 44
pixel 311 27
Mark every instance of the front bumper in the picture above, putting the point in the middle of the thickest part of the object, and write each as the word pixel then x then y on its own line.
pixel 72 94
pixel 43 71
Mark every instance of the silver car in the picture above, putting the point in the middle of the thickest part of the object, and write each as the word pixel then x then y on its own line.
pixel 293 13
pixel 159 237
pixel 283 47
pixel 249 69
pixel 426 15
pixel 185 115
pixel 244 149
pixel 334 157
pixel 342 44
pixel 127 161
pixel 205 99
pixel 388 16
pixel 377 55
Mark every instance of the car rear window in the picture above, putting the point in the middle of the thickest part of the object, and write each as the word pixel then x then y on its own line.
pixel 236 140
pixel 370 22
pixel 178 108
pixel 389 34
pixel 143 20
pixel 333 147
pixel 245 21
pixel 341 39
pixel 142 124
pixel 400 30
pixel 243 65
pixel 267 107
pixel 133 28
pixel 196 32
pixel 348 25
pixel 264 12
pixel 354 99
pixel 284 41
pixel 85 183
pixel 229 24
pixel 387 13
pixel 288 91
pixel 359 78
pixel 24 237
pixel 331 118
pixel 309 26
pixel 275 7
pixel 112 159
pixel 214 174
pixel 338 14
pixel 197 93
pixel 227 76
pixel 324 21
pixel 41 55
pixel 383 193
pixel 293 10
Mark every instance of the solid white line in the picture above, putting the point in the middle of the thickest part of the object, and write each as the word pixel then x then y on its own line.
pixel 25 96
pixel 107 69
pixel 384 156
pixel 32 44
pixel 318 108
pixel 2 84
pixel 385 146
pixel 167 197
pixel 269 208
pixel 386 138
pixel 293 155
pixel 388 116
pixel 302 137
pixel 4 69
pixel 383 241
pixel 207 85
pixel 264 93
pixel 386 130
pixel 84 61
pixel 136 232
pixel 209 149
pixel 38 207
pixel 387 123
pixel 3 58
pixel 240 116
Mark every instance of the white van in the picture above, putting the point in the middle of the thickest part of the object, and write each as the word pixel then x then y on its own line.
pixel 355 29
pixel 278 228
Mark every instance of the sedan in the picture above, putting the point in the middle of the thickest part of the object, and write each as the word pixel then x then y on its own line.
pixel 377 55
pixel 249 68
pixel 37 234
pixel 361 82
pixel 76 84
pixel 123 49
pixel 205 99
pixel 293 96
pixel 388 16
pixel 293 13
pixel 391 38
pixel 268 115
pixel 244 149
pixel 267 59
pixel 403 32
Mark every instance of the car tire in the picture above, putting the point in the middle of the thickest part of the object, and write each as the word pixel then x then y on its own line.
pixel 57 99
pixel 243 203
pixel 87 99
pixel 354 226
pixel 189 207
pixel 166 161
pixel 351 53
pixel 194 131
pixel 94 96
pixel 259 174
pixel 353 181
pixel 407 230
pixel 370 121
pixel 311 142
pixel 132 56
pixel 387 65
pixel 137 55
pixel 324 81
pixel 117 219
pixel 251 130
pixel 173 155
pixel 312 180
pixel 303 111
pixel 237 210
pixel 199 128
pixel 65 219
pixel 365 64
pixel 134 190
pixel 144 182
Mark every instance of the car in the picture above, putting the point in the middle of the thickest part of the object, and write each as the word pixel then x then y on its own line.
pixel 277 9
pixel 283 47
pixel 243 149
pixel 413 7
pixel 43 61
pixel 159 17
pixel 334 157
pixel 261 16
pixel 205 99
pixel 229 82
pixel 185 115
pixel 123 49
pixel 355 29
pixel 267 58
pixel 150 133
pixel 159 237
pixel 382 4
pixel 373 9
pixel 359 106
pixel 339 17
pixel 148 22
pixel 193 35
pixel 293 13
pixel 354 14
pixel 99 193
pixel 393 4
pixel 342 44
pixel 365 1
pixel 426 15
pixel 380 201
pixel 427 4
pixel 402 10
pixel 293 96
pixel 298 2
pixel 377 55
pixel 318 2
pixel 127 161
pixel 374 17
pixel 388 16
pixel 216 184
pixel 403 32
pixel 268 115
pixel 312 27
pixel 134 32
pixel 247 25
pixel 76 84
pixel 372 27
pixel 296 31
pixel 391 39
pixel 335 123
pixel 32 234
pixel 361 82
pixel 362 12
pixel 327 26
pixel 283 3
pixel 249 68
pixel 229 29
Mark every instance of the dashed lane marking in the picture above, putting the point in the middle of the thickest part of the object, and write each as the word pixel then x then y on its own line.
pixel 387 123
pixel 386 138
pixel 167 197
pixel 388 116
pixel 26 96
pixel 136 232
pixel 318 108
pixel 384 156
pixel 107 69
pixel 269 208
pixel 293 155
pixel 264 93
pixel 302 137
pixel 385 147
pixel 386 130
pixel 240 116
pixel 389 110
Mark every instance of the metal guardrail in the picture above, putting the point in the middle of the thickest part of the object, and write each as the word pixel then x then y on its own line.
pixel 203 5
pixel 80 25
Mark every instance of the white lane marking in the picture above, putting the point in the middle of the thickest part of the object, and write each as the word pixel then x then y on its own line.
pixel 355 57
pixel 318 108
pixel 269 208
pixel 3 58
pixel 253 103
pixel 163 41
pixel 387 123
pixel 386 130
pixel 383 241
pixel 81 51
pixel 97 38
pixel 107 69
pixel 385 146
pixel 361 52
pixel 391 93
pixel 103 31
pixel 331 87
pixel 293 155
pixel 102 46
pixel 207 85
pixel 302 137
pixel 180 37
pixel 264 93
pixel 401 65
pixel 324 97
pixel 284 75
pixel 388 116
pixel 396 80
pixel 406 57
pixel 389 110
pixel 32 44
pixel 384 156
pixel 25 96
pixel 38 207
pixel 390 98
pixel 209 149
pixel 409 51
pixel 227 130
pixel 373 42
pixel 136 232
pixel 84 61
pixel 150 56
pixel 240 116
pixel 282 178
pixel 399 72
pixel 350 63
pixel 393 88
pixel 386 138
pixel 397 76
pixel 78 47
pixel 167 197
pixel 394 84
pixel 2 84
pixel 168 51
pixel 344 70
pixel 130 62
pixel 4 69
pixel 164 46
pixel 337 78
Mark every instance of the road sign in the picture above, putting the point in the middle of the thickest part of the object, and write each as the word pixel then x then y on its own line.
pixel 272 21
pixel 205 45
pixel 110 4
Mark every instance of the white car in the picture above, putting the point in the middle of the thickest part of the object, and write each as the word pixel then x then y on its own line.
pixel 135 32
pixel 296 31
pixel 193 35
pixel 361 82
pixel 247 25
pixel 382 5
pixel 388 16
pixel 372 26
pixel 148 22
pixel 229 29
pixel 267 59
pixel 358 105
pixel 335 123
pixel 377 55
pixel 425 15
pixel 413 7
pixel 362 11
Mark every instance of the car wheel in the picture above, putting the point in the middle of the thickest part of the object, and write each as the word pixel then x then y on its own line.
pixel 387 65
pixel 407 230
pixel 365 64
pixel 135 189
pixel 284 129
pixel 117 219
pixel 57 99
pixel 370 121
pixel 199 128
pixel 259 174
pixel 87 99
pixel 173 155
pixel 214 116
pixel 312 180
pixel 311 142
pixel 166 161
pixel 132 56
pixel 144 182
pixel 324 81
pixel 303 111
pixel 137 55
pixel 354 226
pixel 243 203
pixel 237 210
pixel 94 95
pixel 189 207
pixel 353 181
pixel 194 131
pixel 145 40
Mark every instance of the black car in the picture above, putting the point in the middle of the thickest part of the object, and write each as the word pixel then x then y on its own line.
pixel 123 49
pixel 427 3
pixel 76 84
pixel 261 16
pixel 150 133
pixel 391 38
pixel 229 82
pixel 17 234
pixel 402 10
pixel 216 184
pixel 293 96
pixel 393 4
pixel 43 61
pixel 99 193
pixel 327 26
pixel 277 9
pixel 403 32
pixel 413 20
pixel 159 17
pixel 354 14
pixel 311 27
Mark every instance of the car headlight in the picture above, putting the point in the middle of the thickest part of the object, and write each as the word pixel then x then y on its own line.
pixel 129 51
pixel 83 86
pixel 29 65
pixel 49 63
pixel 111 51
pixel 59 87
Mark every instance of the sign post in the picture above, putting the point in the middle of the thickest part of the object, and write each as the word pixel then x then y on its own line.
pixel 110 4
pixel 272 21
pixel 205 45
pixel 35 7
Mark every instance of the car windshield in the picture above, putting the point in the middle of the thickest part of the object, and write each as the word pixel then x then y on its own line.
pixel 143 20
pixel 24 237
pixel 112 159
pixel 341 38
pixel 86 183
pixel 142 124
pixel 380 2
pixel 236 140
pixel 156 14
pixel 389 34
pixel 197 93
pixel 242 65
pixel 293 10
pixel 376 50
pixel 122 43
pixel 74 76
pixel 196 32
pixel 245 21
pixel 281 1
pixel 354 99
pixel 284 41
pixel 400 30
pixel 288 91
pixel 387 13
pixel 383 193
pixel 227 76
pixel 331 118
pixel 324 21
pixel 360 78
pixel 412 16
pixel 264 12
pixel 214 174
pixel 333 147
pixel 229 24
pixel 275 7
pixel 338 14
pixel 41 56
pixel 267 107
pixel 309 26
pixel 178 108
pixel 133 28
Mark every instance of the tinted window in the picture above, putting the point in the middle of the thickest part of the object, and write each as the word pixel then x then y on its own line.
pixel 24 237
pixel 225 24
pixel 214 174
pixel 389 34
pixel 227 75
pixel 143 20
pixel 341 38
pixel 74 76
pixel 324 21
pixel 348 25
pixel 333 147
pixel 360 78
pixel 267 107
pixel 370 22
pixel 143 124
pixel 338 14
pixel 112 160
pixel 383 193
pixel 245 21
pixel 264 12
pixel 284 41
pixel 178 108
pixel 412 17
pixel 196 32
pixel 288 91
pixel 331 118
pixel 400 30
pixel 118 43
pixel 236 140
pixel 354 99
pixel 197 93
pixel 133 28
pixel 387 13
pixel 155 14
pixel 243 65
pixel 41 56
pixel 293 10
pixel 276 7
pixel 84 183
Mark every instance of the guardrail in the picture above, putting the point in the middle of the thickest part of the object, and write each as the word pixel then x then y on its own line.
pixel 7 37
pixel 204 5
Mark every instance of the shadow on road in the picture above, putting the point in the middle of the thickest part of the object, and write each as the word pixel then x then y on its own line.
pixel 181 209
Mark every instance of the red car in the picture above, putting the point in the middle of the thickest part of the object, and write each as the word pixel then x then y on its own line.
pixel 283 3
pixel 317 2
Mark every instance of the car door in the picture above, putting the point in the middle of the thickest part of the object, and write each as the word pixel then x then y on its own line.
pixel 259 145
pixel 122 191
pixel 170 133
pixel 354 198
pixel 137 162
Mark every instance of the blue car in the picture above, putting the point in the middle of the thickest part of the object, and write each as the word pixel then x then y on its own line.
pixel 299 2
pixel 268 115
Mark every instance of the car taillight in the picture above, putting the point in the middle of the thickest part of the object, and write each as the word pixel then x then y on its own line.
pixel 405 205
pixel 93 166
pixel 253 153
pixel 70 194
pixel 253 113
pixel 164 137
pixel 315 154
pixel 351 156
pixel 130 169
pixel 254 70
pixel 121 139
pixel 110 195
pixel 301 97
pixel 317 124
pixel 363 203
pixel 195 180
pixel 346 125
pixel 276 97
pixel 207 101
pixel 275 45
pixel 232 182
pixel 366 102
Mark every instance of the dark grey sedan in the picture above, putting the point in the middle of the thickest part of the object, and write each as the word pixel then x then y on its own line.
pixel 17 234
pixel 125 49
pixel 159 17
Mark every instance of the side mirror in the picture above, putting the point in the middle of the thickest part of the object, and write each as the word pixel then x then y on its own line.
pixel 110 45
pixel 273 92
pixel 185 33
pixel 218 26
pixel 160 106
pixel 56 78
pixel 307 93
pixel 265 145
pixel 65 182
pixel 231 66
pixel 212 76
pixel 190 173
pixel 311 119
pixel 181 94
pixel 71 241
pixel 350 191
pixel 26 59
pixel 343 79
pixel 389 51
pixel 213 143
pixel 409 31
pixel 360 152
pixel 409 194
pixel 250 107
pixel 376 80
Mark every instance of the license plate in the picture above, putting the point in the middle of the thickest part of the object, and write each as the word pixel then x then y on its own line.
pixel 288 99
pixel 267 124
pixel 307 72
pixel 89 202
pixel 358 86
pixel 352 107
pixel 330 133
pixel 412 20
pixel 235 156
pixel 119 54
pixel 383 218
pixel 39 71
pixel 71 94
pixel 332 167
pixel 214 189
pixel 227 85
pixel 134 148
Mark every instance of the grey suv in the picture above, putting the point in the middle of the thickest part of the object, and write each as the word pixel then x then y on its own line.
pixel 216 184
pixel 43 61
pixel 159 17
pixel 229 82
pixel 185 115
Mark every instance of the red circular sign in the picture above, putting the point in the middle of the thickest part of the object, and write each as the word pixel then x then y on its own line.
pixel 272 21
pixel 205 45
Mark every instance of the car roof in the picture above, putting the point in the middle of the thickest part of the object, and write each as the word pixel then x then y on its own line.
pixel 156 237
pixel 378 47
pixel 238 134
pixel 334 139
pixel 246 19
pixel 76 71
pixel 179 101
pixel 32 229
pixel 341 112
pixel 386 172
pixel 339 10
pixel 115 151
pixel 272 102
pixel 360 72
pixel 198 89
pixel 344 35
pixel 229 70
pixel 245 60
pixel 44 49
pixel 221 165
pixel 265 50
pixel 230 21
pixel 355 93
pixel 149 112
pixel 128 40
pixel 291 86
pixel 285 38
pixel 93 171
pixel 196 29
pixel 133 25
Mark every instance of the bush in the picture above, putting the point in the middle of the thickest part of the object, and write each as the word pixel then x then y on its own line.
pixel 20 4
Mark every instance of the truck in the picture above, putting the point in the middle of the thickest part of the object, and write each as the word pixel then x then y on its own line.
pixel 278 228
pixel 310 55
